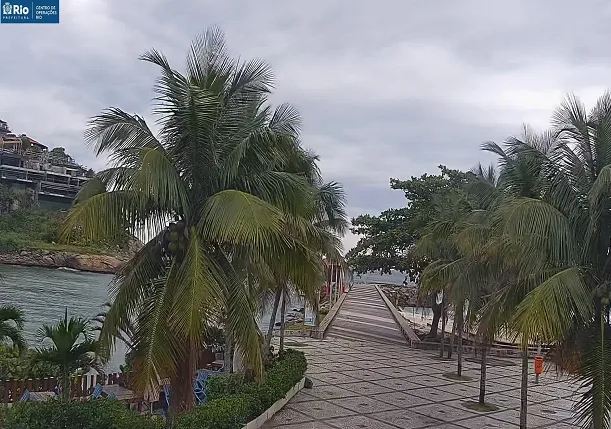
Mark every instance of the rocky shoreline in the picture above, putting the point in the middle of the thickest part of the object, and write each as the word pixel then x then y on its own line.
pixel 44 258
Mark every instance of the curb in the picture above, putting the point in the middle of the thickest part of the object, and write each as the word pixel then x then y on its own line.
pixel 406 330
pixel 324 326
pixel 415 342
pixel 276 406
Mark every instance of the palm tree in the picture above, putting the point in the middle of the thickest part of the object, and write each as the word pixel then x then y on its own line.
pixel 11 326
pixel 467 257
pixel 568 231
pixel 522 167
pixel 223 168
pixel 71 347
pixel 330 217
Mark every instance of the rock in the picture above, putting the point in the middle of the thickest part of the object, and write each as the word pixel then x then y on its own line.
pixel 36 258
pixel 308 384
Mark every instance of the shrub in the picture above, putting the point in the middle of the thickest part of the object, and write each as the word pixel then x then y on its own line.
pixel 232 402
pixel 225 385
pixel 9 244
pixel 16 364
pixel 94 414
pixel 224 413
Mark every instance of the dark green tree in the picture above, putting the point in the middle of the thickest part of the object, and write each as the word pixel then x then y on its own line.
pixel 388 241
pixel 11 326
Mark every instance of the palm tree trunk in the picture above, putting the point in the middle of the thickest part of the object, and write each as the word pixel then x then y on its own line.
pixel 436 316
pixel 282 326
pixel 272 321
pixel 65 383
pixel 181 391
pixel 443 329
pixel 482 375
pixel 598 390
pixel 524 389
pixel 316 310
pixel 228 352
pixel 452 339
pixel 460 328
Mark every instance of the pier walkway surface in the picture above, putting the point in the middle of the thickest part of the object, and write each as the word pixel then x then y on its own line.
pixel 364 316
pixel 365 376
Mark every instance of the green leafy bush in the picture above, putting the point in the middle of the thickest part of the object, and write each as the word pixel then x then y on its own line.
pixel 95 414
pixel 9 244
pixel 15 364
pixel 232 402
pixel 221 386
pixel 225 413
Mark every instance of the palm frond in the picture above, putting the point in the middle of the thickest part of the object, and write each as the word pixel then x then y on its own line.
pixel 550 310
pixel 198 290
pixel 239 218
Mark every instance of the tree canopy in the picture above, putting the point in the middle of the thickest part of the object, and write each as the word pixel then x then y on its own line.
pixel 387 241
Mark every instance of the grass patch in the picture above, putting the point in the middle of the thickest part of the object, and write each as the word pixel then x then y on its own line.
pixel 27 229
pixel 476 406
pixel 454 376
pixel 297 327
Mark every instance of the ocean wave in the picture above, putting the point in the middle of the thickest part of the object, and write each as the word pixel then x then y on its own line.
pixel 74 270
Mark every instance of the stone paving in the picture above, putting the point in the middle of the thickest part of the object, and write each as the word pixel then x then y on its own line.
pixel 361 384
pixel 378 384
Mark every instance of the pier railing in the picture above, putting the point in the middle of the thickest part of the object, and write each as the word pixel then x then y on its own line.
pixel 80 386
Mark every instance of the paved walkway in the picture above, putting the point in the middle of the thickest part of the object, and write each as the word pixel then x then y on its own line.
pixel 364 377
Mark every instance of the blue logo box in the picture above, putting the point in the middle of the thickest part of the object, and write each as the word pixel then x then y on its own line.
pixel 29 12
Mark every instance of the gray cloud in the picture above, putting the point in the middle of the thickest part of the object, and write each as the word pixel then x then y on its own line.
pixel 386 89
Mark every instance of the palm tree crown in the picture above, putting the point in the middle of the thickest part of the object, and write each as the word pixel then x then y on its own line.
pixel 11 326
pixel 70 346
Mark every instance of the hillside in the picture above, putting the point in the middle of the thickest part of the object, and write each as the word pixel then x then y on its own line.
pixel 30 236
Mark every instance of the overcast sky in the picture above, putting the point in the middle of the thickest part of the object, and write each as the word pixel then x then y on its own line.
pixel 386 88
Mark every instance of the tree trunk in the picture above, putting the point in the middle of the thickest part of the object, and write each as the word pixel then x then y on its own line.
pixel 181 384
pixel 436 316
pixel 316 310
pixel 482 375
pixel 524 389
pixel 452 338
pixel 282 326
pixel 228 352
pixel 443 329
pixel 460 329
pixel 272 321
pixel 65 383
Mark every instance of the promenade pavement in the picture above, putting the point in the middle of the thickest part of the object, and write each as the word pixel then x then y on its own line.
pixel 365 376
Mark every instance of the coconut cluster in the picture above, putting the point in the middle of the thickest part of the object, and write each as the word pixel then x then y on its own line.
pixel 175 238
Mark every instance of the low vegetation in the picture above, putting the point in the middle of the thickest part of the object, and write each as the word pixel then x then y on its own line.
pixel 93 414
pixel 29 229
pixel 234 401
pixel 22 364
